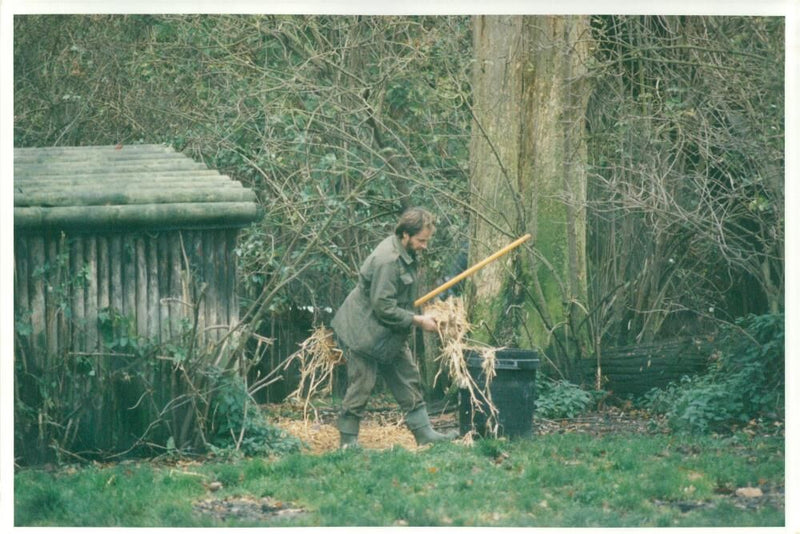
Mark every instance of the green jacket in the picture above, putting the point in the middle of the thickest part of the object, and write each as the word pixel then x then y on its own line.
pixel 375 318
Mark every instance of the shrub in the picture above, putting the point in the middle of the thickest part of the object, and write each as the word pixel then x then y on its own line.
pixel 561 399
pixel 745 381
pixel 240 425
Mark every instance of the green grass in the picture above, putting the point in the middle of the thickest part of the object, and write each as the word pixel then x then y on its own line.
pixel 567 480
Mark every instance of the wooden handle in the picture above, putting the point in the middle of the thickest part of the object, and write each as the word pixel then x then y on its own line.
pixel 472 270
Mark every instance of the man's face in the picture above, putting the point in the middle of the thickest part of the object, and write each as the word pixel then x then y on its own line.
pixel 413 243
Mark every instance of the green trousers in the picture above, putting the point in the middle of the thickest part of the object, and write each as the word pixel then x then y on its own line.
pixel 401 376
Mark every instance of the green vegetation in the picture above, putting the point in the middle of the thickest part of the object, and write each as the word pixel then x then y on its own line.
pixel 240 427
pixel 746 381
pixel 337 122
pixel 566 480
pixel 560 399
pixel 172 394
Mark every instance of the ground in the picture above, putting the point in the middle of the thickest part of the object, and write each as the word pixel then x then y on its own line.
pixel 383 428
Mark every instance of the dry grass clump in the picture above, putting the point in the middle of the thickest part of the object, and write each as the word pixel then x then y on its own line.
pixel 317 357
pixel 451 318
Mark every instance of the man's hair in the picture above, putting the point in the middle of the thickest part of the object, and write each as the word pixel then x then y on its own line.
pixel 413 221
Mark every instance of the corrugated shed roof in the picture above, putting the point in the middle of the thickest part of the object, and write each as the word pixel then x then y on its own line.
pixel 117 188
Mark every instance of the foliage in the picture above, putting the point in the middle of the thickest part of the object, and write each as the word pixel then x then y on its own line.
pixel 686 151
pixel 206 407
pixel 557 480
pixel 336 122
pixel 339 122
pixel 561 399
pixel 745 382
pixel 239 425
pixel 135 395
pixel 47 401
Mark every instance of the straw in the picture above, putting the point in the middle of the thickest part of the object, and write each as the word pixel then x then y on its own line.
pixel 317 357
pixel 453 328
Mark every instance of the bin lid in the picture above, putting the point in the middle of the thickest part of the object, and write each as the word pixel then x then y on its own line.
pixel 522 359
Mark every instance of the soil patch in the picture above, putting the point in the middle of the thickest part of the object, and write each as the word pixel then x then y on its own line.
pixel 749 498
pixel 609 420
pixel 246 509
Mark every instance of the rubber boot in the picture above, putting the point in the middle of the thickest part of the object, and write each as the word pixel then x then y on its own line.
pixel 348 431
pixel 420 425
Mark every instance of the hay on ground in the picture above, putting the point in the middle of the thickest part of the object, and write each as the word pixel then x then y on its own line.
pixel 380 430
pixel 323 437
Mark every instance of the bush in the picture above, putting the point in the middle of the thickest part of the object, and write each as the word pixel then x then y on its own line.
pixel 745 381
pixel 178 396
pixel 561 399
pixel 241 426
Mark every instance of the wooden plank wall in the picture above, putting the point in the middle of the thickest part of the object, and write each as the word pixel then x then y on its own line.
pixel 635 370
pixel 64 281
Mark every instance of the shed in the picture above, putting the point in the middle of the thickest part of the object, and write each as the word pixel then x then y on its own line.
pixel 140 234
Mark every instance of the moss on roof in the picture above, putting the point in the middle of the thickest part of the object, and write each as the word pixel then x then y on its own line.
pixel 118 188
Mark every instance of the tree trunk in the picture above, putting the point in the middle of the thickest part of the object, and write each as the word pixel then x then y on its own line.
pixel 527 159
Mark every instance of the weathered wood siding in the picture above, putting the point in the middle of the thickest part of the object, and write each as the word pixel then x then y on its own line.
pixel 140 243
pixel 635 370
pixel 62 281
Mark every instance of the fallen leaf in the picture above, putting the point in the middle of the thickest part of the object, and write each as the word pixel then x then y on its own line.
pixel 749 493
pixel 501 457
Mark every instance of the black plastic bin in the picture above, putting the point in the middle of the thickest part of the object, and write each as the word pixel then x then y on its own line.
pixel 513 392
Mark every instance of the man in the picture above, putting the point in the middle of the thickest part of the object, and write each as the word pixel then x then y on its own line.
pixel 373 327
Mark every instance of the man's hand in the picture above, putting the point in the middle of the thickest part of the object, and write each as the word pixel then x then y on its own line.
pixel 426 322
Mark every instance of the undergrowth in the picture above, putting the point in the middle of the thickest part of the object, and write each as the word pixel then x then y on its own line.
pixel 241 427
pixel 561 399
pixel 745 381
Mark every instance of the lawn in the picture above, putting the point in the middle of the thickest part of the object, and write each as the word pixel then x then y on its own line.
pixel 565 477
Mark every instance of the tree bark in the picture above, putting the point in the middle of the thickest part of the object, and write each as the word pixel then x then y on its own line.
pixel 527 159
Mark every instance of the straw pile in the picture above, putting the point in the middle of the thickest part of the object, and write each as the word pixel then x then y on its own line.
pixel 374 434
